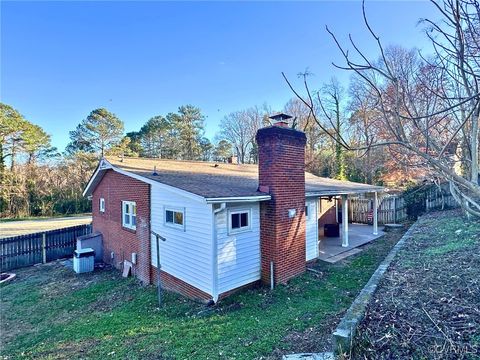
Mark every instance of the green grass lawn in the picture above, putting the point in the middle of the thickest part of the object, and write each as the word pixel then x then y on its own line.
pixel 49 312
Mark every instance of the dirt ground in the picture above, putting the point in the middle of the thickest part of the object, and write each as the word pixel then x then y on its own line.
pixel 428 304
pixel 21 227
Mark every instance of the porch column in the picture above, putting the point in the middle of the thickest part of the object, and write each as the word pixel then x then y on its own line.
pixel 375 213
pixel 336 208
pixel 345 220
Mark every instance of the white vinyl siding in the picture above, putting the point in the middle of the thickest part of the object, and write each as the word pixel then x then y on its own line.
pixel 186 254
pixel 311 235
pixel 238 252
pixel 129 214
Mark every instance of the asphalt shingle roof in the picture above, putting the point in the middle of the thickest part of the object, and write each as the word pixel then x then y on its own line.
pixel 218 180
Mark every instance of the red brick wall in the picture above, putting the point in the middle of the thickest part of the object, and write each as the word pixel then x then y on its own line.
pixel 281 154
pixel 115 188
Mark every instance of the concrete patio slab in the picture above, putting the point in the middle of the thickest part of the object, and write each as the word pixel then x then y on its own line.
pixel 331 250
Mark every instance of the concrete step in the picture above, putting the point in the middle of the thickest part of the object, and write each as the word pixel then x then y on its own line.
pixel 341 256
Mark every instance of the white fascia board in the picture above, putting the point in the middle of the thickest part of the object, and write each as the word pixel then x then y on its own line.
pixel 238 199
pixel 102 166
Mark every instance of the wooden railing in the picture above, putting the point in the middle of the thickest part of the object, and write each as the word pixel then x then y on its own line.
pixel 25 250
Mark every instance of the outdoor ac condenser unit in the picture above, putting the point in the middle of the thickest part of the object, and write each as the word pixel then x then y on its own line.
pixel 83 260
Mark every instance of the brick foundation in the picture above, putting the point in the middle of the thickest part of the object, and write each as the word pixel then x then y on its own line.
pixel 172 283
pixel 281 154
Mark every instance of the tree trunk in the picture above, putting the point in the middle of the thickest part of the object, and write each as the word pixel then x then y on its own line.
pixel 474 145
pixel 12 164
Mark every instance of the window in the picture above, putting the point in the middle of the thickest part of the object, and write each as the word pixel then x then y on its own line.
pixel 102 205
pixel 129 214
pixel 175 217
pixel 239 221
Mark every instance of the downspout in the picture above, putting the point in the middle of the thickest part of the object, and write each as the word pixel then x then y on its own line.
pixel 215 294
pixel 317 204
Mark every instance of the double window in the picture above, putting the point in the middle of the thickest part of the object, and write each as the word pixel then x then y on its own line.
pixel 239 221
pixel 175 217
pixel 102 205
pixel 129 214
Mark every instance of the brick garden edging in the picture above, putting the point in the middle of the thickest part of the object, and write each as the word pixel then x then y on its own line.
pixel 346 329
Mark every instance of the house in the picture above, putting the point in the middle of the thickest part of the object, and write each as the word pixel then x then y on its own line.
pixel 226 225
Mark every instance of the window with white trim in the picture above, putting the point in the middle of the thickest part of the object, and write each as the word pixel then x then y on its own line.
pixel 175 217
pixel 102 205
pixel 239 221
pixel 129 214
pixel 307 210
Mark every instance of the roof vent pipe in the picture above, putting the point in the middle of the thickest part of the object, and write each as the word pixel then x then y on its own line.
pixel 155 171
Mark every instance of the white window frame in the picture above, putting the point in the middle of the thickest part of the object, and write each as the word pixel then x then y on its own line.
pixel 307 210
pixel 129 225
pixel 174 209
pixel 101 205
pixel 241 229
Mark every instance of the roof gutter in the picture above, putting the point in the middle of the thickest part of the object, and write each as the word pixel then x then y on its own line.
pixel 334 193
pixel 238 199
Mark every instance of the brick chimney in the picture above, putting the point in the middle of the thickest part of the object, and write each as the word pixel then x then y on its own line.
pixel 281 164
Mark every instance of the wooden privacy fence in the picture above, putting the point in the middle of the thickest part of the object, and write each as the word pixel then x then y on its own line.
pixel 391 209
pixel 439 199
pixel 41 247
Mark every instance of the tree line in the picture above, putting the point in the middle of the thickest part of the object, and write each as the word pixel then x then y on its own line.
pixel 39 180
pixel 403 117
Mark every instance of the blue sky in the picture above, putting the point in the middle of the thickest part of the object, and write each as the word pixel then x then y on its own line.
pixel 60 60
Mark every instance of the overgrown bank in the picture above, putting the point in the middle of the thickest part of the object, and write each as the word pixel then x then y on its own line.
pixel 428 304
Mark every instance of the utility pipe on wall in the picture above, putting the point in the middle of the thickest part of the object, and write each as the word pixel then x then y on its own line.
pixel 222 207
pixel 272 283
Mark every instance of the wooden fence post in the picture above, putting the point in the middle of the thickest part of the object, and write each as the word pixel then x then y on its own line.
pixel 395 209
pixel 44 248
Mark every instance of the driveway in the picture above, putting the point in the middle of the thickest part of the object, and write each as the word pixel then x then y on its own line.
pixel 21 227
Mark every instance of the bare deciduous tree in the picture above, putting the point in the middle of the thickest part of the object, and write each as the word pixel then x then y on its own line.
pixel 239 128
pixel 428 106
